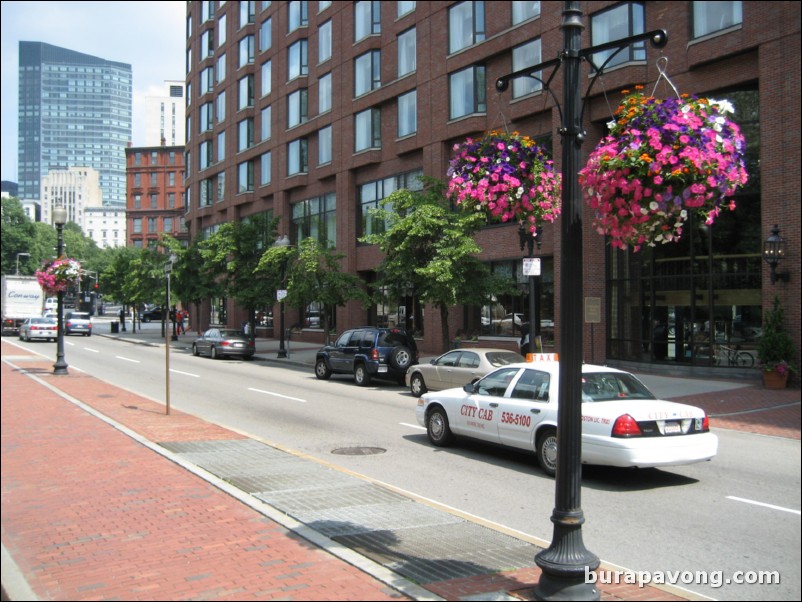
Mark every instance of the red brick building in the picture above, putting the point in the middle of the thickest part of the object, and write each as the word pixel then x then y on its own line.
pixel 315 111
pixel 155 194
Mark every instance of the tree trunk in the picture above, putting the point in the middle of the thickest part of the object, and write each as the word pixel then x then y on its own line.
pixel 444 328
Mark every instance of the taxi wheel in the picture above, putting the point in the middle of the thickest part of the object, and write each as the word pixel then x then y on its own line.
pixel 547 452
pixel 437 428
pixel 417 385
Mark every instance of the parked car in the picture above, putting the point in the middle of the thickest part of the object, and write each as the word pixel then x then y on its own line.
pixel 623 424
pixel 78 322
pixel 224 342
pixel 38 328
pixel 367 352
pixel 151 315
pixel 458 367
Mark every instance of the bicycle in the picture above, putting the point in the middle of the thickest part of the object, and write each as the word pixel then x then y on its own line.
pixel 734 356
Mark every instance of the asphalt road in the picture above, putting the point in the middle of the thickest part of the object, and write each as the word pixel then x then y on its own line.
pixel 704 517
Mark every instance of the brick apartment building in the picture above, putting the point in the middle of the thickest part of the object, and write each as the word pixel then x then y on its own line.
pixel 155 194
pixel 315 111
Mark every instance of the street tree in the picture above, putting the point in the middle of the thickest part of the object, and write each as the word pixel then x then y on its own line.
pixel 16 236
pixel 429 246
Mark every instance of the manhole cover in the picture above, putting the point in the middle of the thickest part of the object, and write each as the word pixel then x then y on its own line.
pixel 358 451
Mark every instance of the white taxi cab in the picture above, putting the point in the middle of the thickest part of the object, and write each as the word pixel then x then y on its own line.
pixel 623 424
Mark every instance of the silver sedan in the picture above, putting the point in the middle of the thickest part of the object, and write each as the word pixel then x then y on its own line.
pixel 223 342
pixel 38 328
pixel 458 367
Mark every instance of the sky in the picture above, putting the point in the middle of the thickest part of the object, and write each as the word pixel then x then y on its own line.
pixel 149 36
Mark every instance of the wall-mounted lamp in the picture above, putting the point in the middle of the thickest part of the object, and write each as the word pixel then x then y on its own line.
pixel 773 252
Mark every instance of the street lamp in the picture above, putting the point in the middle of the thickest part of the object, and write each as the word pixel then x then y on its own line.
pixel 59 219
pixel 18 256
pixel 281 294
pixel 566 561
pixel 773 253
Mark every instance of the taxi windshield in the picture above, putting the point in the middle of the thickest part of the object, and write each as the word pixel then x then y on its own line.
pixel 609 386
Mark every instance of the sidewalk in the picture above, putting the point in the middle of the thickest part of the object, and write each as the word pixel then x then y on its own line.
pixel 106 497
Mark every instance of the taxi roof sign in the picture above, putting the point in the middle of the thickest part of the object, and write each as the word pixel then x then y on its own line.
pixel 542 357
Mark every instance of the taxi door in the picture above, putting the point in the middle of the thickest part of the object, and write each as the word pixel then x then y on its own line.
pixel 527 405
pixel 478 415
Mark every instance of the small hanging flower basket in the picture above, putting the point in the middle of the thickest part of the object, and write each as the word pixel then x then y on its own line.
pixel 663 159
pixel 507 177
pixel 58 275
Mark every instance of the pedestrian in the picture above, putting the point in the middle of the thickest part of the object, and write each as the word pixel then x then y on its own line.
pixel 180 321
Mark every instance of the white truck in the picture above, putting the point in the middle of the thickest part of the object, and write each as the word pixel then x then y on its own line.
pixel 22 298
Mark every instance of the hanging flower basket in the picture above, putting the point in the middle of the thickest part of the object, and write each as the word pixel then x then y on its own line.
pixel 662 160
pixel 507 177
pixel 59 275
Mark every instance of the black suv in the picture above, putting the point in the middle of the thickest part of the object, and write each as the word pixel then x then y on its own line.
pixel 367 352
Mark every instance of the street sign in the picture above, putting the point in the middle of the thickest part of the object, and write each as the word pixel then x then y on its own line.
pixel 281 294
pixel 531 266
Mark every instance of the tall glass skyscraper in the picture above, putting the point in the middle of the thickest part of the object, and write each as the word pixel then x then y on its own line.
pixel 75 110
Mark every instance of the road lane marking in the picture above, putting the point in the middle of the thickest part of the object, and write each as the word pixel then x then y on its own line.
pixel 126 359
pixel 185 373
pixel 276 394
pixel 772 506
pixel 91 350
pixel 412 426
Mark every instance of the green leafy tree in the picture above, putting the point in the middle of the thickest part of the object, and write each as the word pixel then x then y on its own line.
pixel 316 276
pixel 232 255
pixel 429 246
pixel 17 234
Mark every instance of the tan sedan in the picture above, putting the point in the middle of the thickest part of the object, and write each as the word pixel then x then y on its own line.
pixel 458 367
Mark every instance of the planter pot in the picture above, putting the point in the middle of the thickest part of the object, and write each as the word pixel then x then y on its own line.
pixel 775 380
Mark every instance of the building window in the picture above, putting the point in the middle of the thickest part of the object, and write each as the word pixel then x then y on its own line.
pixel 297 157
pixel 617 23
pixel 171 200
pixel 407 43
pixel 154 200
pixel 324 145
pixel 405 8
pixel 467 92
pixel 298 15
pixel 221 146
pixel 526 55
pixel 137 225
pixel 373 193
pixel 137 158
pixel 367 19
pixel 298 60
pixel 367 131
pixel 709 17
pixel 316 218
pixel 221 30
pixel 206 80
pixel 245 96
pixel 171 178
pixel 266 35
pixel 220 105
pixel 206 122
pixel 408 114
pixel 153 225
pixel 246 52
pixel 466 25
pixel 324 94
pixel 221 68
pixel 137 180
pixel 324 42
pixel 245 176
pixel 207 10
pixel 245 134
pixel 267 78
pixel 265 170
pixel 207 44
pixel 168 224
pixel 367 72
pixel 205 152
pixel 523 11
pixel 221 186
pixel 247 13
pixel 297 103
pixel 266 128
pixel 137 201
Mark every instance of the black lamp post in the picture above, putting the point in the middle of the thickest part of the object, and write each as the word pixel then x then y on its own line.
pixel 283 242
pixel 565 562
pixel 59 219
pixel 773 253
